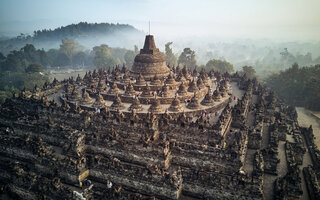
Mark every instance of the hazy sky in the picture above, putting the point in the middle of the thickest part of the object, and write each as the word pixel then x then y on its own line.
pixel 280 19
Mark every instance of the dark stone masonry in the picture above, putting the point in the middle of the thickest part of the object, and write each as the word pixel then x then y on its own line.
pixel 154 132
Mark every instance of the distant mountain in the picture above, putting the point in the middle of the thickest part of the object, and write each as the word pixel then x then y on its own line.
pixel 87 34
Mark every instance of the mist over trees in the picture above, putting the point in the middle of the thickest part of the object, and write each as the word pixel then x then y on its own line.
pixel 263 54
pixel 29 66
pixel 22 69
pixel 188 58
pixel 130 55
pixel 248 71
pixel 102 57
pixel 69 47
pixel 298 86
pixel 88 34
pixel 18 61
pixel 266 56
pixel 219 66
pixel 170 56
pixel 88 46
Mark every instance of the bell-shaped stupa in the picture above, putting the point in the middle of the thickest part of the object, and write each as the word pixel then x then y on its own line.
pixel 150 61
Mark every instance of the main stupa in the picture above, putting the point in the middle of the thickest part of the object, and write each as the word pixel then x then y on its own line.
pixel 150 61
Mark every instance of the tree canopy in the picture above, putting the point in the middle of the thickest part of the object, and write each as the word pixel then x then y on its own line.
pixel 103 58
pixel 34 67
pixel 249 71
pixel 129 57
pixel 170 57
pixel 69 47
pixel 298 86
pixel 21 69
pixel 82 28
pixel 18 61
pixel 219 66
pixel 2 57
pixel 188 58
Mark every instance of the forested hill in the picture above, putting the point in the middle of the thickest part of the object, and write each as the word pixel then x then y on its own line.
pixel 88 34
pixel 83 29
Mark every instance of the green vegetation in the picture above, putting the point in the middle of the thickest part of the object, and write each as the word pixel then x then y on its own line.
pixel 249 71
pixel 82 28
pixel 188 58
pixel 273 59
pixel 18 61
pixel 15 81
pixel 82 31
pixel 298 86
pixel 130 55
pixel 69 48
pixel 22 65
pixel 219 66
pixel 103 58
pixel 34 67
pixel 22 68
pixel 171 58
pixel 70 54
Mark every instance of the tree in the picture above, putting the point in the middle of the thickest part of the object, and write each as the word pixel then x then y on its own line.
pixel 220 66
pixel 29 52
pixel 317 60
pixel 312 92
pixel 287 57
pixel 6 92
pixel 61 60
pixel 298 86
pixel 12 63
pixel 249 71
pixel 81 58
pixel 129 57
pixel 170 57
pixel 102 57
pixel 69 47
pixel 136 49
pixel 52 56
pixel 34 67
pixel 2 57
pixel 187 57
